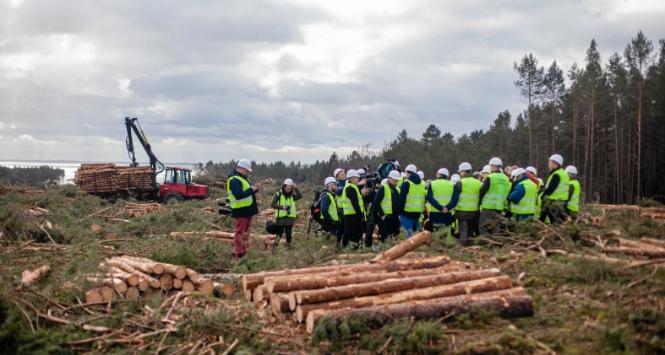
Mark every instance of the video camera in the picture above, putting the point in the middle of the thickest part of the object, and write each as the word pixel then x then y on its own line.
pixel 374 178
pixel 224 209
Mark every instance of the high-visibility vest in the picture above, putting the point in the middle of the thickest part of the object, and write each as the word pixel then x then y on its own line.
pixel 332 207
pixel 442 191
pixel 286 201
pixel 234 202
pixel 415 198
pixel 527 204
pixel 346 203
pixel 573 204
pixel 470 194
pixel 495 197
pixel 387 201
pixel 561 192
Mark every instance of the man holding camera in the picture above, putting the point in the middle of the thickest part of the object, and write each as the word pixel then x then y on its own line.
pixel 242 200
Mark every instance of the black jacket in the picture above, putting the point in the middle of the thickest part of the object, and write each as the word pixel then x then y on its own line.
pixel 238 193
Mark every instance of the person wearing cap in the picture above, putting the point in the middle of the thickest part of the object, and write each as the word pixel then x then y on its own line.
pixel 353 210
pixel 573 202
pixel 556 191
pixel 330 220
pixel 384 208
pixel 468 204
pixel 493 194
pixel 284 203
pixel 442 197
pixel 412 201
pixel 485 172
pixel 340 176
pixel 242 201
pixel 523 196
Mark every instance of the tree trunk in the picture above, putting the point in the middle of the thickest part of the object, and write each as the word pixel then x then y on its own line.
pixel 387 286
pixel 250 281
pixel 617 179
pixel 575 159
pixel 316 281
pixel 462 288
pixel 132 293
pixel 509 303
pixel 639 137
pixel 651 252
pixel 403 247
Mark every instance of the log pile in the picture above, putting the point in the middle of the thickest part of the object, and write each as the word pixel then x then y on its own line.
pixel 645 247
pixel 389 287
pixel 134 277
pixel 655 213
pixel 141 209
pixel 107 178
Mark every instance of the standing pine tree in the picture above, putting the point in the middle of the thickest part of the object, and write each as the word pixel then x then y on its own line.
pixel 530 83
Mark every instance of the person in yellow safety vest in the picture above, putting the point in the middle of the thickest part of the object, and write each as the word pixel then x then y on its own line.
pixel 412 201
pixel 523 196
pixel 330 210
pixel 242 200
pixel 468 204
pixel 353 210
pixel 442 197
pixel 385 206
pixel 573 202
pixel 556 191
pixel 284 204
pixel 493 194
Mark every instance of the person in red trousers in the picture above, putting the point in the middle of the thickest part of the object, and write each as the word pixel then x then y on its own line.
pixel 242 200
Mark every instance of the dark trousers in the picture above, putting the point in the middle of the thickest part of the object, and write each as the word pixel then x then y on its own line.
pixel 555 210
pixel 490 221
pixel 388 226
pixel 354 227
pixel 288 230
pixel 467 225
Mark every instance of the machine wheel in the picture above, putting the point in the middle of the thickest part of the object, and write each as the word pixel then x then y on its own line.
pixel 173 198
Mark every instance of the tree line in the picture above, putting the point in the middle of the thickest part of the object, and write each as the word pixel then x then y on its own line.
pixel 605 117
pixel 33 176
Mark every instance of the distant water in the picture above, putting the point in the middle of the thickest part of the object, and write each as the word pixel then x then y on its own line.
pixel 71 167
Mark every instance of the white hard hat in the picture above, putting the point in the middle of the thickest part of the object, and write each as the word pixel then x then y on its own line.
pixel 517 172
pixel 442 172
pixel 557 159
pixel 455 178
pixel 486 169
pixel 532 170
pixel 421 174
pixel 352 173
pixel 411 169
pixel 496 161
pixel 288 182
pixel 464 167
pixel 571 170
pixel 384 182
pixel 402 174
pixel 337 171
pixel 360 171
pixel 394 174
pixel 329 180
pixel 245 164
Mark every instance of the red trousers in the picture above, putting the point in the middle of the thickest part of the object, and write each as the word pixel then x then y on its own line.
pixel 241 235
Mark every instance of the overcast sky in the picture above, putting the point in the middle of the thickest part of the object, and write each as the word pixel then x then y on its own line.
pixel 269 80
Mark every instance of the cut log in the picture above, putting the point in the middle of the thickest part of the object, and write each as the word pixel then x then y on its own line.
pixel 177 284
pixel 227 290
pixel 193 275
pixel 29 277
pixel 638 245
pixel 108 294
pixel 652 253
pixel 601 258
pixel 93 296
pixel 655 242
pixel 386 286
pixel 128 266
pixel 115 283
pixel 259 293
pixel 132 293
pixel 206 287
pixel 250 281
pixel 462 288
pixel 166 281
pixel 403 247
pixel 307 282
pixel 509 303
pixel 247 295
pixel 279 303
pixel 178 272
pixel 188 286
pixel 114 272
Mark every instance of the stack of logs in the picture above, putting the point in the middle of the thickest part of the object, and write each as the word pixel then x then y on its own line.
pixel 134 277
pixel 655 213
pixel 268 240
pixel 141 209
pixel 107 177
pixel 386 288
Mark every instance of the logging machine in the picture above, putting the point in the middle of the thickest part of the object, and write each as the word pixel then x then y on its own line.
pixel 178 185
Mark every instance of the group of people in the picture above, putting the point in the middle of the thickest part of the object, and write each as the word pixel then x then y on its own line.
pixel 464 204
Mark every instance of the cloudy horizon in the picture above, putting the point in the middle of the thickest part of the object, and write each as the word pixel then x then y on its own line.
pixel 278 80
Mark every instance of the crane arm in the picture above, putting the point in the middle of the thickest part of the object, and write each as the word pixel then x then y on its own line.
pixel 132 125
